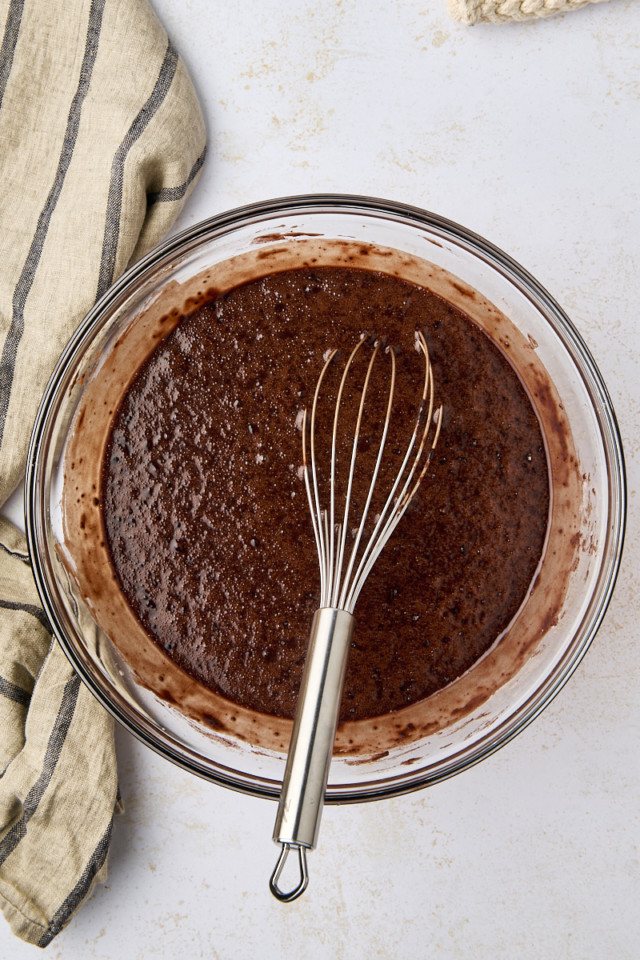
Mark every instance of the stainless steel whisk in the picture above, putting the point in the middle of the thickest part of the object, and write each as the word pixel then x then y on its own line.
pixel 342 578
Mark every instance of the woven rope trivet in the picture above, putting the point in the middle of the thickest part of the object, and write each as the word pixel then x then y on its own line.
pixel 499 11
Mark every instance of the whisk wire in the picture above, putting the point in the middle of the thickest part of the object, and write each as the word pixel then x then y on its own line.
pixel 344 602
pixel 314 520
pixel 424 438
pixel 334 440
pixel 352 467
pixel 321 540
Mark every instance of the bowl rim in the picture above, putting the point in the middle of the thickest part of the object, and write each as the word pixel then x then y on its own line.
pixel 582 359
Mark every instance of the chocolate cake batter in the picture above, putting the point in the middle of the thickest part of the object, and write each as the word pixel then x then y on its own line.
pixel 207 518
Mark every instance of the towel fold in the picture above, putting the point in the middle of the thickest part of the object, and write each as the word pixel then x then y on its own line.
pixel 500 11
pixel 101 139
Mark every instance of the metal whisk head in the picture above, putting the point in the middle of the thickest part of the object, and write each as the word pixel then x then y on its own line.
pixel 342 577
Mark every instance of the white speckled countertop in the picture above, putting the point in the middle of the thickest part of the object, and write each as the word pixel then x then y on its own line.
pixel 528 134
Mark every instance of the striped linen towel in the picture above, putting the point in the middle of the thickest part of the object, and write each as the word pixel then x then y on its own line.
pixel 101 139
pixel 500 11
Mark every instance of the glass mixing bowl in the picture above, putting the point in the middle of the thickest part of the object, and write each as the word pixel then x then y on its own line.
pixel 494 700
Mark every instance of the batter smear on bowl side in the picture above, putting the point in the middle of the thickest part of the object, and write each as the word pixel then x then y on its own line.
pixel 207 519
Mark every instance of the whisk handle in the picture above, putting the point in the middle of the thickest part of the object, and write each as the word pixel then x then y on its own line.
pixel 314 731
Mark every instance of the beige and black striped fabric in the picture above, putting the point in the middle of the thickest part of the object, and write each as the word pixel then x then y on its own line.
pixel 501 11
pixel 101 140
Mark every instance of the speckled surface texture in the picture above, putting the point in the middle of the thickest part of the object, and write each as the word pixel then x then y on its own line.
pixel 207 518
pixel 528 134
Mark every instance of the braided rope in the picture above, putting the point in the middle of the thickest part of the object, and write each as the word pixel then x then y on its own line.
pixel 501 11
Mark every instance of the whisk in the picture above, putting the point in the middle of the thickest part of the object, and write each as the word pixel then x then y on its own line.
pixel 344 569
